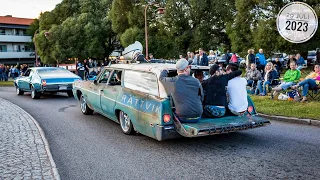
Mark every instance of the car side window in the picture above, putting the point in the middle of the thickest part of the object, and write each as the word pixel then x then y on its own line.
pixel 31 73
pixel 27 72
pixel 115 78
pixel 146 83
pixel 105 76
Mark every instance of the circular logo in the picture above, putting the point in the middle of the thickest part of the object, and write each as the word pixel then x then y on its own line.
pixel 297 22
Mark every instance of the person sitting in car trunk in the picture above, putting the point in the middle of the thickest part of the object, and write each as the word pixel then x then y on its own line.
pixel 187 92
pixel 215 94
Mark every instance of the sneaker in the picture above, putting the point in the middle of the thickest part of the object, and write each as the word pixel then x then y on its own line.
pixel 262 94
pixel 304 99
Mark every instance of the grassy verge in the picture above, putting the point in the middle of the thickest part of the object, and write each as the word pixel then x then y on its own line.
pixel 308 110
pixel 6 83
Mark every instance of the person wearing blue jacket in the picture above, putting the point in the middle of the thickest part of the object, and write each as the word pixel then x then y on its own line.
pixel 300 61
pixel 269 75
pixel 203 58
pixel 261 59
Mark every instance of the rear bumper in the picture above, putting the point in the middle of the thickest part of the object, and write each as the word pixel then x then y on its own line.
pixel 57 88
pixel 166 132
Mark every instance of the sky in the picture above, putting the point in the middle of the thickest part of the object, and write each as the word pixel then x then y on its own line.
pixel 26 8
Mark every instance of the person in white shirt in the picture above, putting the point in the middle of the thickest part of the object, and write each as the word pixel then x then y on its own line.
pixel 237 92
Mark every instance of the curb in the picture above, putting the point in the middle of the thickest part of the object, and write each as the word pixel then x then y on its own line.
pixel 54 168
pixel 292 119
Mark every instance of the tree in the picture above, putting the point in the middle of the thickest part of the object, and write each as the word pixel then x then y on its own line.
pixel 77 28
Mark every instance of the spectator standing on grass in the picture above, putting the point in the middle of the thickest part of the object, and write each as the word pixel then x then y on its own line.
pixel 1 72
pixel 234 58
pixel 250 58
pixel 291 59
pixel 262 59
pixel 203 58
pixel 300 61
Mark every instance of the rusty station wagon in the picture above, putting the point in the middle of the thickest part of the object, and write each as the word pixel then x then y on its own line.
pixel 138 101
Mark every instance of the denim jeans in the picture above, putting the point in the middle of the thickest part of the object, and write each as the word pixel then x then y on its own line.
pixel 1 77
pixel 286 85
pixel 262 86
pixel 306 84
pixel 250 82
pixel 299 67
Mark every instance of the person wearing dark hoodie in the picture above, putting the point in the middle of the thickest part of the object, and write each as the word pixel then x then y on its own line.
pixel 215 94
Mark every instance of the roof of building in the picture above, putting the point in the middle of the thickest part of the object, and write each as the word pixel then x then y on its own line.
pixel 15 20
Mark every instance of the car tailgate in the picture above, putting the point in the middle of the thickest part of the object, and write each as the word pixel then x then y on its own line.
pixel 211 126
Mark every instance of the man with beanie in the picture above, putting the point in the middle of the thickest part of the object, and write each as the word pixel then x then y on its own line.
pixel 215 94
pixel 187 92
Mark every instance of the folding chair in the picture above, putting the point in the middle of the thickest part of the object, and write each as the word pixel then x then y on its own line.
pixel 314 93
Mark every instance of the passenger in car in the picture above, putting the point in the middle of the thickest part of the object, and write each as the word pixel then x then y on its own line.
pixel 215 98
pixel 187 92
pixel 237 92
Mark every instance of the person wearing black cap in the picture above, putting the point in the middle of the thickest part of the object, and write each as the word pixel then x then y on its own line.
pixel 215 94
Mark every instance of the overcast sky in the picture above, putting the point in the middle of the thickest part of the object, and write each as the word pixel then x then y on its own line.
pixel 26 8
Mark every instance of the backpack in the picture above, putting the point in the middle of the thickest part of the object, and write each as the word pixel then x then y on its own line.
pixel 294 94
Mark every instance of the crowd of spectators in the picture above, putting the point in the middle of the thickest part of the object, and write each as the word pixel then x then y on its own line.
pixel 11 71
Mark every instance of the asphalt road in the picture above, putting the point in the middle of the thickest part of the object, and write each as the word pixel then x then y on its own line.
pixel 93 147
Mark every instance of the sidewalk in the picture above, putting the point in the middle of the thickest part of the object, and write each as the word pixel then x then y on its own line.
pixel 24 151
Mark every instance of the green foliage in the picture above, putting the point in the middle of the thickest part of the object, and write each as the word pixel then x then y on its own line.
pixel 77 28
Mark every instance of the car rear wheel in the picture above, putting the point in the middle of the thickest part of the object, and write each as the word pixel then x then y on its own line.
pixel 70 93
pixel 125 123
pixel 19 92
pixel 35 94
pixel 84 107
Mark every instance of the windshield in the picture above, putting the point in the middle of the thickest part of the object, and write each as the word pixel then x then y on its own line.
pixel 312 53
pixel 277 56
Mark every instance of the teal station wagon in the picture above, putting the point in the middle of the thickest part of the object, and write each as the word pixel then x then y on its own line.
pixel 133 96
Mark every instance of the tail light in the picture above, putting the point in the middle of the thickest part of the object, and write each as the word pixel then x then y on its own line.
pixel 44 82
pixel 166 118
pixel 250 109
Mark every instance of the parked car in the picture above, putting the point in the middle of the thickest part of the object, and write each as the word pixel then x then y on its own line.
pixel 133 96
pixel 312 57
pixel 39 80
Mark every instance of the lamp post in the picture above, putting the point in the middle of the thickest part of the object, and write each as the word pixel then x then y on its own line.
pixel 161 11
pixel 35 46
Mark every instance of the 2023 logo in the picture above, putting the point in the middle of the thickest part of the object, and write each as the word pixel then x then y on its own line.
pixel 297 22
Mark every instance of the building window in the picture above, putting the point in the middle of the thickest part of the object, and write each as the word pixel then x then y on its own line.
pixel 27 49
pixel 2 32
pixel 3 48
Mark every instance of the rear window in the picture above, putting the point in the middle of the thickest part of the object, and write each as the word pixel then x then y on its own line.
pixel 141 81
pixel 53 71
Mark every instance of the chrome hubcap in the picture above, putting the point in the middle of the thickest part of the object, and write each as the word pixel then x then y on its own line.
pixel 83 105
pixel 125 121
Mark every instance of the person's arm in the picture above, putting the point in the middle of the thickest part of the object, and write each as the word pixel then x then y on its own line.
pixel 233 74
pixel 164 79
pixel 257 76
